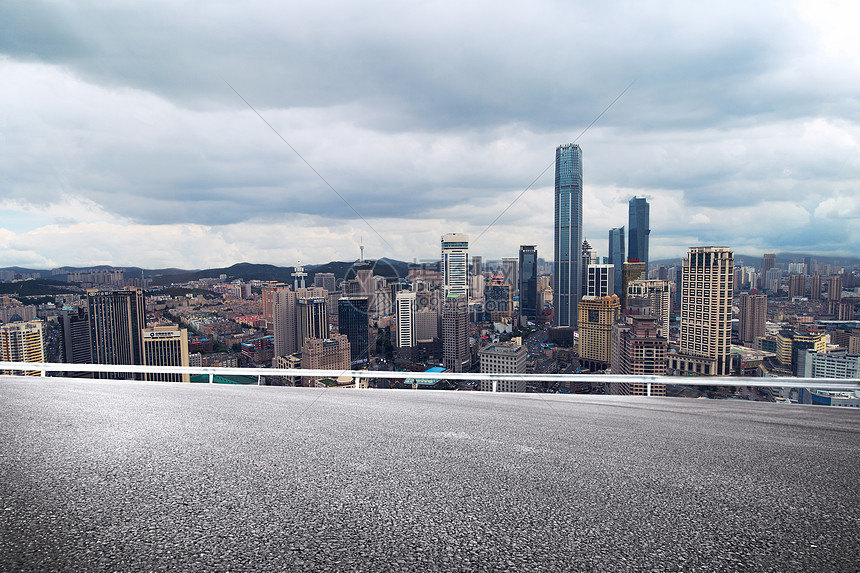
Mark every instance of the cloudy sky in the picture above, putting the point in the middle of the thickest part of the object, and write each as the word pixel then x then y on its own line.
pixel 122 143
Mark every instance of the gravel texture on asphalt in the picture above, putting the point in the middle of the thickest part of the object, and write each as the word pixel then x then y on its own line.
pixel 137 476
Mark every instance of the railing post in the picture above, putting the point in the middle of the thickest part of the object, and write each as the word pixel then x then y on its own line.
pixel 211 378
pixel 495 385
pixel 259 380
pixel 44 372
pixel 356 382
pixel 649 388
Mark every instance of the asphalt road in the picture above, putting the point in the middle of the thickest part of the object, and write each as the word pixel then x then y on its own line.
pixel 134 476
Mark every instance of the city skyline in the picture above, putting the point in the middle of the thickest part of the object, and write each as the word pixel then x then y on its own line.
pixel 739 129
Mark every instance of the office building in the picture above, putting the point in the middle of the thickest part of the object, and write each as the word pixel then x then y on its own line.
pixel 706 313
pixel 325 281
pixel 567 275
pixel 455 333
pixel 510 274
pixel 631 271
pixel 503 358
pixel 659 296
pixel 753 317
pixel 22 342
pixel 165 346
pixel 596 317
pixel 839 364
pixel 455 264
pixel 353 321
pixel 617 256
pixel 477 265
pixel 498 300
pixel 587 257
pixel 284 320
pixel 331 353
pixel 600 280
pixel 116 321
pixel 638 349
pixel 528 283
pixel 791 347
pixel 75 339
pixel 312 318
pixel 407 331
pixel 638 231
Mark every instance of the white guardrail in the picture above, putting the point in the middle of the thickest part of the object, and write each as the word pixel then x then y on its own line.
pixel 835 384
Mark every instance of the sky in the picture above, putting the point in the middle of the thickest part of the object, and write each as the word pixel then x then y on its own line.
pixel 125 140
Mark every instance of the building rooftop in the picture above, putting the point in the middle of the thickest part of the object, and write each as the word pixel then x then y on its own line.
pixel 107 475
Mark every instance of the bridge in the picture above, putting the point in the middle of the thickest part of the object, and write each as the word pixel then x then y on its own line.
pixel 130 475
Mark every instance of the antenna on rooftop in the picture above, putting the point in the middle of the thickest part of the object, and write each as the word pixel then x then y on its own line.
pixel 299 276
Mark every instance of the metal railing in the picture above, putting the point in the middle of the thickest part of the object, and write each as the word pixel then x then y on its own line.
pixel 834 384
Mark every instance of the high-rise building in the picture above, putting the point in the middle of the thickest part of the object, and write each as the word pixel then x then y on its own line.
pixel 596 317
pixel 116 320
pixel 22 342
pixel 284 320
pixel 638 231
pixel 753 317
pixel 600 280
pixel 477 265
pixel 706 313
pixel 567 275
pixel 638 349
pixel 312 318
pixel 498 300
pixel 165 346
pixel 658 293
pixel 325 354
pixel 768 262
pixel 631 271
pixel 455 264
pixel 353 321
pixel 588 257
pixel 504 358
pixel 616 255
pixel 791 347
pixel 815 287
pixel 834 288
pixel 455 333
pixel 510 274
pixel 75 339
pixel 326 281
pixel 268 296
pixel 796 286
pixel 528 282
pixel 407 333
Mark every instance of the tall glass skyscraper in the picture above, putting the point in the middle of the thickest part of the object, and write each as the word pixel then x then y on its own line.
pixel 567 276
pixel 616 255
pixel 638 231
pixel 528 282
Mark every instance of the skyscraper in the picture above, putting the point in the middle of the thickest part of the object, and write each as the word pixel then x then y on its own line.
pixel 588 257
pixel 455 333
pixel 455 264
pixel 22 342
pixel 116 321
pixel 600 280
pixel 353 321
pixel 165 346
pixel 312 318
pixel 638 231
pixel 567 276
pixel 528 282
pixel 753 317
pixel 768 261
pixel 616 255
pixel 509 271
pixel 596 317
pixel 75 339
pixel 706 313
pixel 638 349
pixel 407 333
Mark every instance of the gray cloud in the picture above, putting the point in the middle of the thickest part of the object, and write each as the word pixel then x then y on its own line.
pixel 429 112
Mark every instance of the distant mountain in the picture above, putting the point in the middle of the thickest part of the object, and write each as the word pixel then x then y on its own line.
pixel 755 260
pixel 38 287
